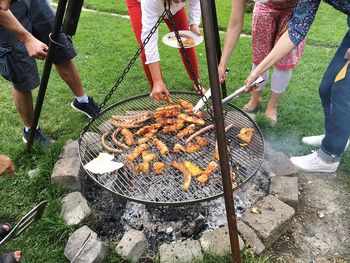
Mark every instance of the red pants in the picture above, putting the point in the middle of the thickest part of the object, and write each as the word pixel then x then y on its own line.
pixel 180 19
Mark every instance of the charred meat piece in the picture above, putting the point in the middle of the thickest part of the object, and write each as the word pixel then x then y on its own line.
pixel 201 141
pixel 186 173
pixel 148 128
pixel 178 125
pixel 136 152
pixel 167 111
pixel 159 167
pixel 194 169
pixel 179 148
pixel 188 107
pixel 204 177
pixel 191 119
pixel 187 131
pixel 246 134
pixel 130 121
pixel 192 147
pixel 161 146
pixel 116 142
pixel 142 167
pixel 166 121
pixel 128 136
pixel 148 157
pixel 148 136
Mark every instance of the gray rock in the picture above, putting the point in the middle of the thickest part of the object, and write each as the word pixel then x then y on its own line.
pixel 94 251
pixel 278 163
pixel 182 252
pixel 218 241
pixel 272 221
pixel 132 246
pixel 66 172
pixel 75 208
pixel 33 173
pixel 91 141
pixel 285 189
pixel 250 237
pixel 70 149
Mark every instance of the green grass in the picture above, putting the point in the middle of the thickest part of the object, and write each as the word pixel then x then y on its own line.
pixel 324 31
pixel 105 45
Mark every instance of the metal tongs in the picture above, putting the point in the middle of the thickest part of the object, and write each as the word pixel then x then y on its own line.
pixel 235 94
pixel 32 216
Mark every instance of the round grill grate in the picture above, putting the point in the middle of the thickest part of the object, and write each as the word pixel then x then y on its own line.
pixel 165 189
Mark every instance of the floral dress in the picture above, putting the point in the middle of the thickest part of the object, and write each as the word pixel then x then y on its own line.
pixel 270 21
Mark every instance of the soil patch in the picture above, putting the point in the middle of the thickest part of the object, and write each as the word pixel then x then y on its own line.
pixel 320 231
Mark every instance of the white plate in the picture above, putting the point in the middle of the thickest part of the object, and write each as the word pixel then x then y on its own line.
pixel 171 41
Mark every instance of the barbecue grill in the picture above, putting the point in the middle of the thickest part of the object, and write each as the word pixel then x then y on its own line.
pixel 165 189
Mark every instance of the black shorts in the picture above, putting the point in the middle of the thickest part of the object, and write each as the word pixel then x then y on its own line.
pixel 16 66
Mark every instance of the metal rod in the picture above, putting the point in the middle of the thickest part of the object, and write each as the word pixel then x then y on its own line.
pixel 209 36
pixel 217 42
pixel 47 70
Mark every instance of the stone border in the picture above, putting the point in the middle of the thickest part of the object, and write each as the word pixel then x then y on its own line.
pixel 259 227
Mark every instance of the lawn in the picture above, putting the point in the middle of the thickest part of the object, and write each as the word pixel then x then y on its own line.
pixel 105 45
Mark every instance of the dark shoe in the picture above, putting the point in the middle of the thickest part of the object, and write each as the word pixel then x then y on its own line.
pixel 38 137
pixel 89 109
pixel 5 228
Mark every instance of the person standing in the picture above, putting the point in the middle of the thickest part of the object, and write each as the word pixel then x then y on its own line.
pixel 143 15
pixel 334 89
pixel 24 37
pixel 270 19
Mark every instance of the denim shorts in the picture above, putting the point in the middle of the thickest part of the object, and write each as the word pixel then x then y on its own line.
pixel 16 66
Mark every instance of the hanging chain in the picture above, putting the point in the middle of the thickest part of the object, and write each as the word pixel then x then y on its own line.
pixel 126 70
pixel 188 61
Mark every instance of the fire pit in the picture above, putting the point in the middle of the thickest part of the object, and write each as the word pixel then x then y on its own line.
pixel 166 189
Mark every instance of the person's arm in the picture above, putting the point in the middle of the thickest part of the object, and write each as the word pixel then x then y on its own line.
pixel 298 27
pixel 194 10
pixel 149 18
pixel 34 47
pixel 233 32
pixel 6 165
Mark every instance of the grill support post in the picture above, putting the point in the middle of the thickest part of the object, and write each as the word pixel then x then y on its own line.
pixel 211 52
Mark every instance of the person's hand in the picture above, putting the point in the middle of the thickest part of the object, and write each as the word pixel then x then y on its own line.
pixel 251 78
pixel 4 5
pixel 6 165
pixel 36 48
pixel 195 29
pixel 159 91
pixel 222 71
pixel 347 54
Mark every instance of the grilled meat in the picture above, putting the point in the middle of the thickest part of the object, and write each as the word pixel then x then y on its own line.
pixel 161 146
pixel 187 131
pixel 136 152
pixel 143 167
pixel 148 157
pixel 191 119
pixel 179 148
pixel 159 167
pixel 128 136
pixel 204 177
pixel 192 168
pixel 246 134
pixel 186 173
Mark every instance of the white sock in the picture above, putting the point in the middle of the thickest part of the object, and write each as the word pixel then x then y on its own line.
pixel 28 128
pixel 265 75
pixel 82 99
pixel 280 79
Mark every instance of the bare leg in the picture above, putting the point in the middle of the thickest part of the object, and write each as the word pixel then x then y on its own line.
pixel 255 101
pixel 70 75
pixel 24 104
pixel 271 109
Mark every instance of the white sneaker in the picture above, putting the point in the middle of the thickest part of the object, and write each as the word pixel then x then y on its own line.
pixel 313 163
pixel 316 140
